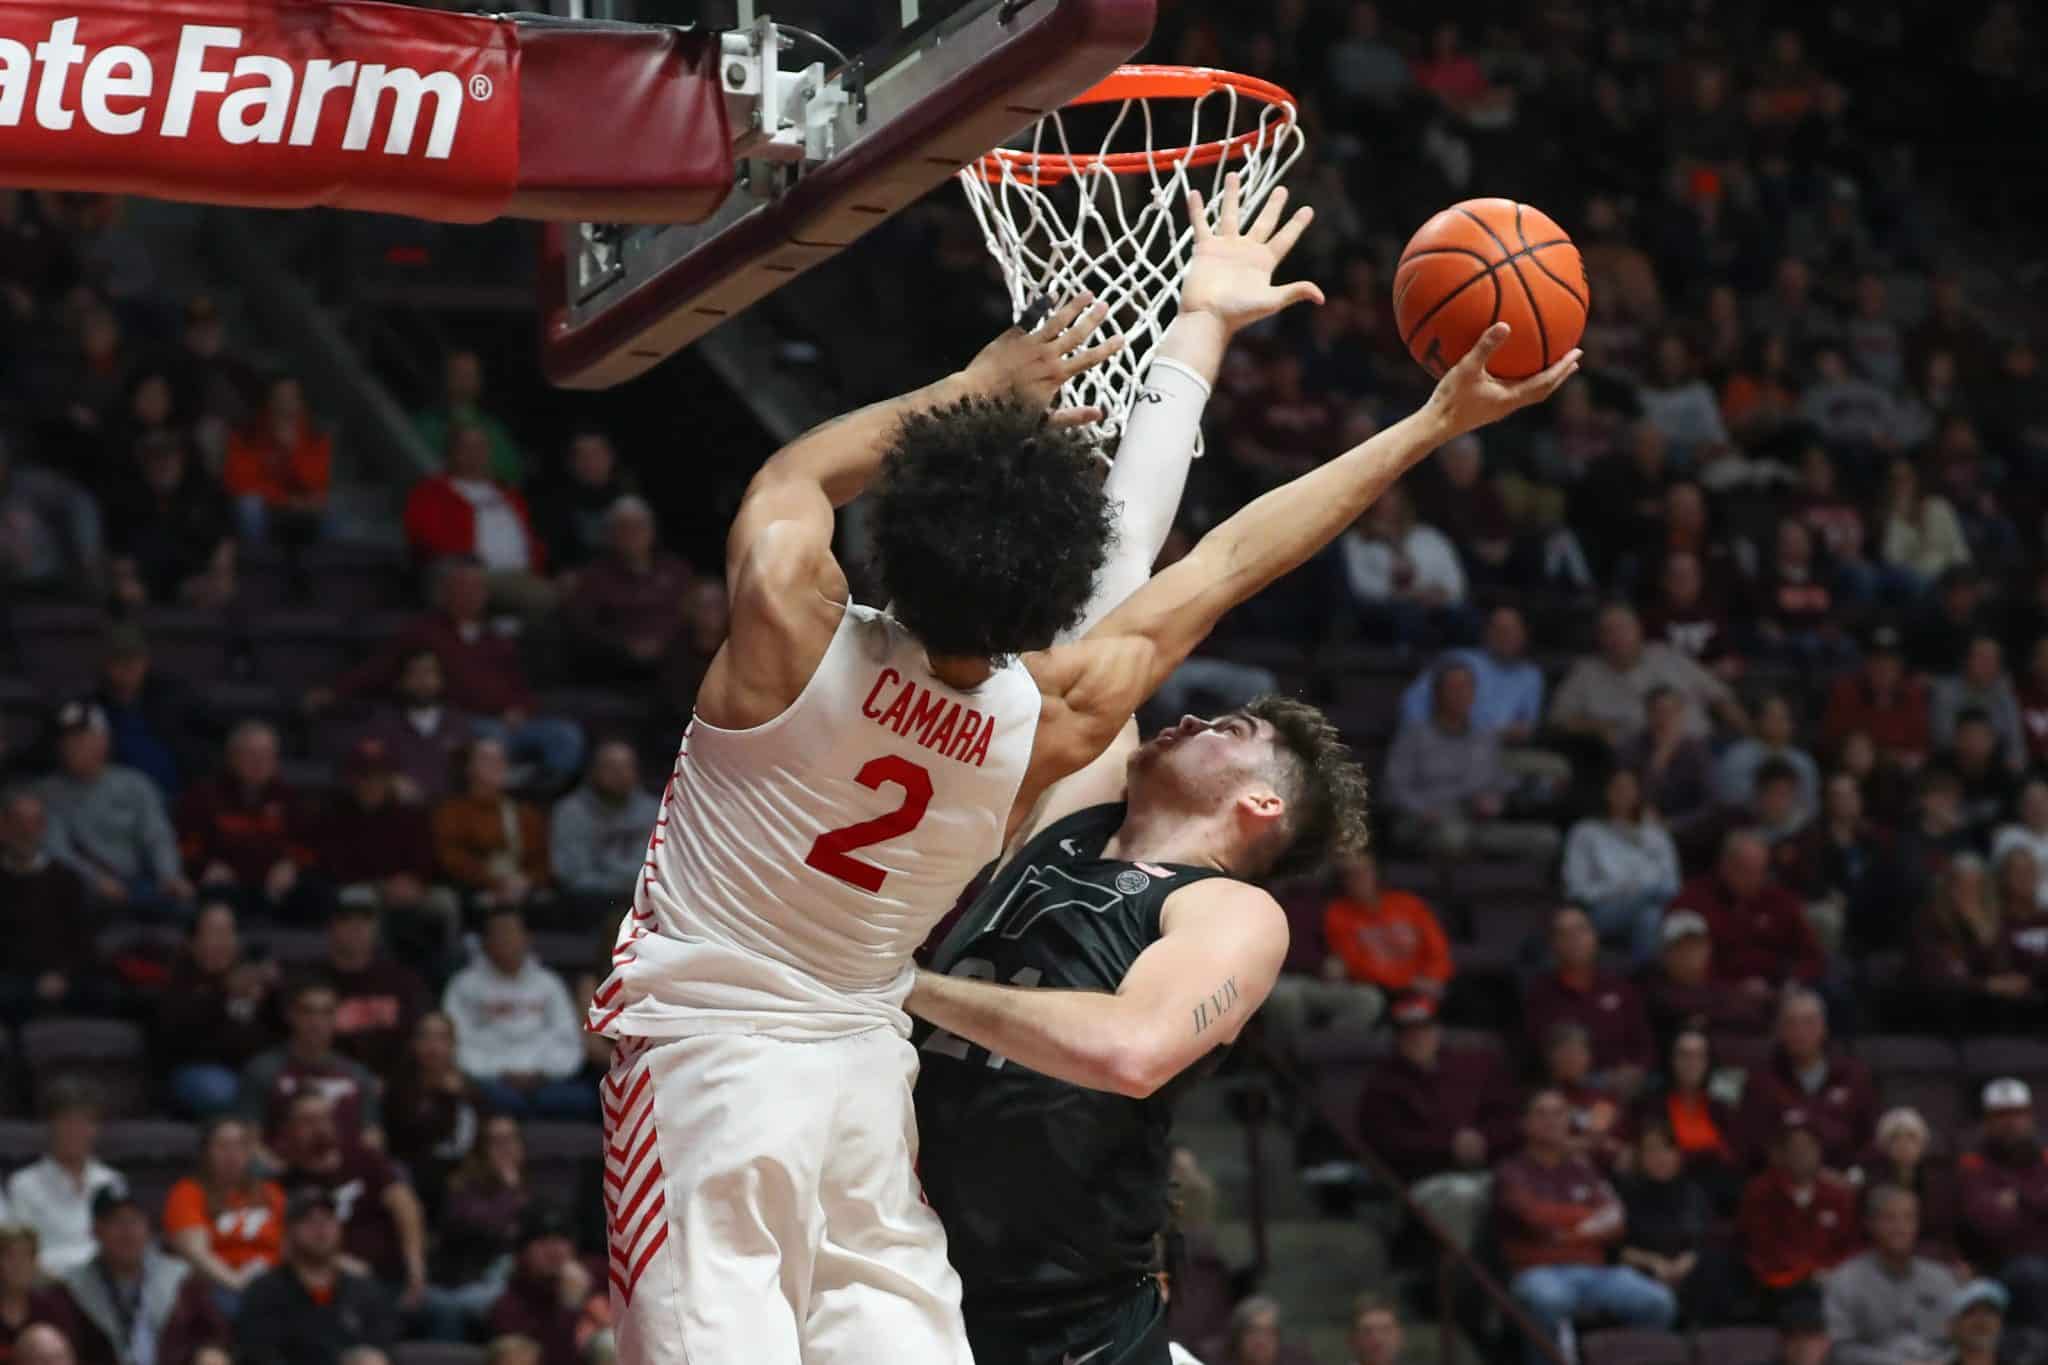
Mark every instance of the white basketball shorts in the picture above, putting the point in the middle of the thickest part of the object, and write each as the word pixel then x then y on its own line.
pixel 763 1206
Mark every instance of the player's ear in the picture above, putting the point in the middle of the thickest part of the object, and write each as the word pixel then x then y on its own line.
pixel 1261 804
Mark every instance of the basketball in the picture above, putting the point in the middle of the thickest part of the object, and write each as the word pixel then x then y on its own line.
pixel 1486 261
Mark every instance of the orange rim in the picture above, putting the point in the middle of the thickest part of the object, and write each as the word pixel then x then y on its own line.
pixel 1146 83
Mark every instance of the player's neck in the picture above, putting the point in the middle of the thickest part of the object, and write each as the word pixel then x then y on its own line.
pixel 1167 838
pixel 959 672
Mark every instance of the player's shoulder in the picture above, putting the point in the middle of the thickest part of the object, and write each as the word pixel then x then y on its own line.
pixel 1214 900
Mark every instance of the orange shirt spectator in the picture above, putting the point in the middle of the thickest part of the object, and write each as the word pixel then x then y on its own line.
pixel 281 457
pixel 1386 938
pixel 227 1223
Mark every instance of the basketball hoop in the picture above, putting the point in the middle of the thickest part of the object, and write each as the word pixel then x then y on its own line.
pixel 1061 221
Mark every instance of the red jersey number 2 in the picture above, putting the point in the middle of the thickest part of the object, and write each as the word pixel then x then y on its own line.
pixel 832 853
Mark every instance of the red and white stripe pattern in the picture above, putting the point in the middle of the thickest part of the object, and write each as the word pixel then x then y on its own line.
pixel 635 1197
pixel 605 1004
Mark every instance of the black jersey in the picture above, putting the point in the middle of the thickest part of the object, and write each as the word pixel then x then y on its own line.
pixel 1050 1192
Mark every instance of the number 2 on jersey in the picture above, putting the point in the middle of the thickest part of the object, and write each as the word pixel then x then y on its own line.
pixel 832 853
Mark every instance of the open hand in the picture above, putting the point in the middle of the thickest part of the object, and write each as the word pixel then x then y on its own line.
pixel 1230 276
pixel 1033 365
pixel 1467 397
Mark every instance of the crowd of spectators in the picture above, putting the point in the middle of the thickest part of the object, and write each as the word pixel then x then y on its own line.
pixel 1739 648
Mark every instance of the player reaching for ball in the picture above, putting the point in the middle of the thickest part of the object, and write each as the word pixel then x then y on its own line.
pixel 846 773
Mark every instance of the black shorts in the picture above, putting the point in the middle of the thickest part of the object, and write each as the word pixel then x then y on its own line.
pixel 1129 1331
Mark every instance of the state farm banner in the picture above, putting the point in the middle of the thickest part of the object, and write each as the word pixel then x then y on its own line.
pixel 283 104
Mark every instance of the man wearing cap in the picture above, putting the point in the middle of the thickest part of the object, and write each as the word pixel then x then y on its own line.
pixel 1608 1006
pixel 1976 1320
pixel 132 1304
pixel 2005 1199
pixel 1680 991
pixel 1796 1221
pixel 158 725
pixel 310 1309
pixel 1888 1306
pixel 1883 700
pixel 108 823
pixel 378 850
pixel 1830 1090
pixel 1438 1117
pixel 549 1288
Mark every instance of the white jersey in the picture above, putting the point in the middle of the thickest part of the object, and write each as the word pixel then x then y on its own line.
pixel 797 865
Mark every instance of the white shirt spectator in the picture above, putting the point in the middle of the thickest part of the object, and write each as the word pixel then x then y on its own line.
pixel 1369 565
pixel 46 1197
pixel 500 536
pixel 507 1025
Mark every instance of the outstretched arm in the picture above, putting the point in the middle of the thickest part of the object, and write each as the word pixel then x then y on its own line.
pixel 1278 531
pixel 1229 286
pixel 1214 962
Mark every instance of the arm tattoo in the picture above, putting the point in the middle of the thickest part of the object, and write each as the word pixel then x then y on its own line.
pixel 1216 1004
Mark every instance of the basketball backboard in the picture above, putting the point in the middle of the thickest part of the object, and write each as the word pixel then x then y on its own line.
pixel 830 137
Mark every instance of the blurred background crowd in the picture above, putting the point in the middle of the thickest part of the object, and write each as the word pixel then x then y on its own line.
pixel 1697 989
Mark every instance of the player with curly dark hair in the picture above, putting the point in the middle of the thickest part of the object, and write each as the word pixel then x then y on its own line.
pixel 989 526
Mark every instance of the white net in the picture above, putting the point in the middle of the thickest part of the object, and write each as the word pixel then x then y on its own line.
pixel 1063 221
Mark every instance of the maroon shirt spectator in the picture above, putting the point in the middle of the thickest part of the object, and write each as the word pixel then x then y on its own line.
pixel 1550 1206
pixel 1835 519
pixel 378 1000
pixel 481 668
pixel 1690 618
pixel 1676 767
pixel 421 734
pixel 628 607
pixel 479 1224
pixel 274 1081
pixel 43 917
pixel 1792 595
pixel 546 1295
pixel 1603 1003
pixel 219 1007
pixel 1680 991
pixel 1427 1110
pixel 382 1225
pixel 2004 1183
pixel 1809 1084
pixel 369 844
pixel 432 1113
pixel 1963 954
pixel 1882 700
pixel 2032 695
pixel 1596 1118
pixel 245 828
pixel 1761 937
pixel 1796 1219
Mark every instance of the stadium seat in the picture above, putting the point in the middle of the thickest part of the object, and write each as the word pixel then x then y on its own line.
pixel 437 1353
pixel 21 1141
pixel 298 650
pixel 1473 881
pixel 7 1097
pixel 291 947
pixel 1735 1346
pixel 568 954
pixel 598 710
pixel 1937 1098
pixel 1743 1053
pixel 355 578
pixel 559 1155
pixel 154 1154
pixel 1908 1053
pixel 1474 1040
pixel 1628 1346
pixel 58 646
pixel 259 700
pixel 2026 1058
pixel 108 1052
pixel 188 644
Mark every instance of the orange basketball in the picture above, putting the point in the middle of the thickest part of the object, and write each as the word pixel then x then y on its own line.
pixel 1486 261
